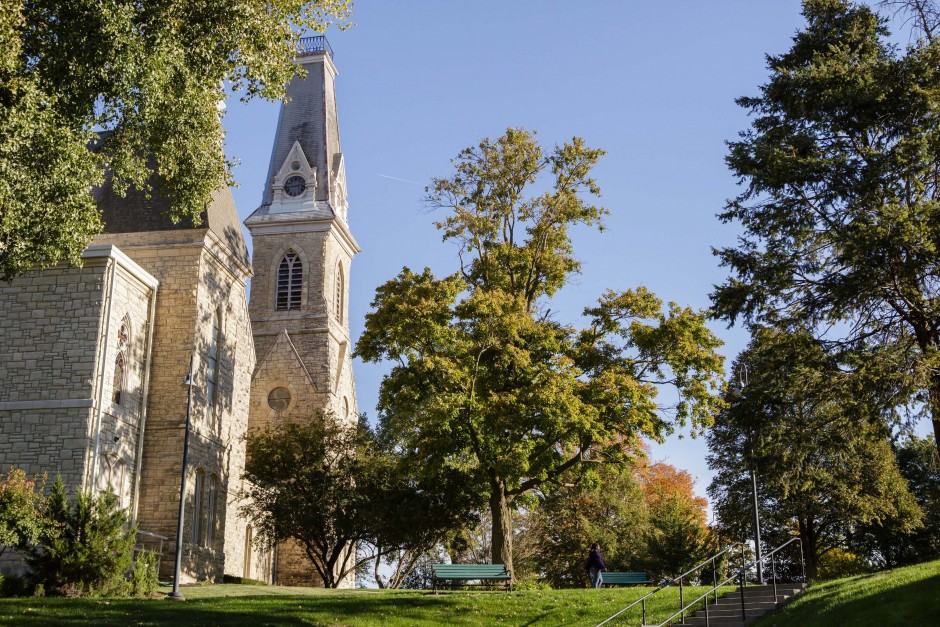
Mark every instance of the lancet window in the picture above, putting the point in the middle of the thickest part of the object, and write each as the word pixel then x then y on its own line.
pixel 289 281
pixel 340 290
pixel 120 365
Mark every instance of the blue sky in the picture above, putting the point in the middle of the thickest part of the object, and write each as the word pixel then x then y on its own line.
pixel 652 83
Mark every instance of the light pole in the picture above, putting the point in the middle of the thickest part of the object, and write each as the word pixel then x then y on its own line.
pixel 176 595
pixel 742 379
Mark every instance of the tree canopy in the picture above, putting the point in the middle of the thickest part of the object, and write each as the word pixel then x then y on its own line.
pixel 333 489
pixel 841 203
pixel 148 73
pixel 816 444
pixel 484 379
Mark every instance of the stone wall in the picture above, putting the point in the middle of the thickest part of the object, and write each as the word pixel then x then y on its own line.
pixel 198 279
pixel 59 338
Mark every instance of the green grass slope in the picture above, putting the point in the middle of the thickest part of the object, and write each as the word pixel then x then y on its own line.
pixel 903 596
pixel 257 606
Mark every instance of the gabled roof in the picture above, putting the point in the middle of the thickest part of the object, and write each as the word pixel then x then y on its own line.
pixel 135 213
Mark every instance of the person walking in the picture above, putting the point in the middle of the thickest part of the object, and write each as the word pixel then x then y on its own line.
pixel 596 566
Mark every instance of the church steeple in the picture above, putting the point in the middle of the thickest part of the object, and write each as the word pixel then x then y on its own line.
pixel 306 171
pixel 302 252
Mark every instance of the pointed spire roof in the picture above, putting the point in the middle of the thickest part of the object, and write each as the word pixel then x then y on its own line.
pixel 309 119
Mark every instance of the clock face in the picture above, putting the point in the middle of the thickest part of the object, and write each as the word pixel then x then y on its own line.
pixel 295 186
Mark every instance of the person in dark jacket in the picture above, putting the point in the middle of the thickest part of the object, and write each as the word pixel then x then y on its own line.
pixel 596 566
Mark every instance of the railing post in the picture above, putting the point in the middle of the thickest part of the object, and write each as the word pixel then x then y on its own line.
pixel 707 621
pixel 681 604
pixel 743 611
pixel 714 583
pixel 773 573
pixel 803 562
pixel 644 611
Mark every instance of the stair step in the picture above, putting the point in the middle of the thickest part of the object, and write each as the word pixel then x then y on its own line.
pixel 758 601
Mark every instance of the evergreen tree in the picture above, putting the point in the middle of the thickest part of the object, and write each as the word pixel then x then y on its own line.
pixel 840 211
pixel 817 445
pixel 890 543
pixel 86 545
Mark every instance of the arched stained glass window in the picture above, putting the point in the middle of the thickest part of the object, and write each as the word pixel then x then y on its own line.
pixel 120 365
pixel 117 387
pixel 338 300
pixel 289 280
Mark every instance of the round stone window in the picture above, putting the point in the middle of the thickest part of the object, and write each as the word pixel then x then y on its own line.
pixel 279 399
pixel 295 186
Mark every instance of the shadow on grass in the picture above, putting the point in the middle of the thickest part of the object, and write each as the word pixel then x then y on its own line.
pixel 258 610
pixel 914 603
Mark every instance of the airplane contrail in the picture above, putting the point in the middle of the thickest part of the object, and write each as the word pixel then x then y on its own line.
pixel 395 178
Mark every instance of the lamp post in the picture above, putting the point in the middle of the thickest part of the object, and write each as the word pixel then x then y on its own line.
pixel 742 380
pixel 176 595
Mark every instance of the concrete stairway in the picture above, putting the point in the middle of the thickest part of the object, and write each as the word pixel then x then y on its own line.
pixel 758 600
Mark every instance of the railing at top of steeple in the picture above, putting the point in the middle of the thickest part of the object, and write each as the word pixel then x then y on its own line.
pixel 317 43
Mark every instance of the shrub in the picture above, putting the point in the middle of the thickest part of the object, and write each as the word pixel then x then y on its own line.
pixel 838 563
pixel 21 505
pixel 14 586
pixel 144 580
pixel 85 546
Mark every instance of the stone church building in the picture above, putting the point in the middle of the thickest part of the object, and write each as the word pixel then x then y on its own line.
pixel 94 358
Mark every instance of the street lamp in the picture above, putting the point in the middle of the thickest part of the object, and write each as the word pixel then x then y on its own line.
pixel 742 380
pixel 176 595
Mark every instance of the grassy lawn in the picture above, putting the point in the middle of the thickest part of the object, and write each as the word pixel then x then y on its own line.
pixel 268 605
pixel 904 596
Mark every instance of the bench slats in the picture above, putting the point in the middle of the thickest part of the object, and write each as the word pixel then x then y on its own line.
pixel 470 571
pixel 625 578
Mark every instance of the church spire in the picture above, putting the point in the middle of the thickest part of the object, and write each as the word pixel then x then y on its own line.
pixel 306 172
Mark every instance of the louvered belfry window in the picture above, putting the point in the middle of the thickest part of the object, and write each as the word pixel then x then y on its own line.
pixel 290 276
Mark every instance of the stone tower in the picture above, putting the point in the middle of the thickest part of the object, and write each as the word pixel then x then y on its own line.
pixel 302 251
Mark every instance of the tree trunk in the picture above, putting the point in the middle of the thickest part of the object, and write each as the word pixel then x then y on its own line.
pixel 810 558
pixel 502 525
pixel 935 410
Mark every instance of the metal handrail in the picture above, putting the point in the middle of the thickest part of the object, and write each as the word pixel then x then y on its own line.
pixel 745 565
pixel 317 43
pixel 704 596
pixel 669 582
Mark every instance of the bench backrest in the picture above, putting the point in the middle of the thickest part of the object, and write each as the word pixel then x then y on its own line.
pixel 625 577
pixel 470 571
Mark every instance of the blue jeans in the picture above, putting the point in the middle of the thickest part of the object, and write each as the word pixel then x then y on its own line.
pixel 597 577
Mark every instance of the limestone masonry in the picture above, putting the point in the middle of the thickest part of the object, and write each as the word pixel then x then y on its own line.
pixel 94 358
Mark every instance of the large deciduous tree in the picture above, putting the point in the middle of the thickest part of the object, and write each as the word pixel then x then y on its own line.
pixel 559 525
pixel 150 73
pixel 678 536
pixel 841 206
pixel 485 381
pixel 332 487
pixel 817 444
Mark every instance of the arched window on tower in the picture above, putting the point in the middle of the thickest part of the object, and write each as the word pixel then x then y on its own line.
pixel 290 276
pixel 338 300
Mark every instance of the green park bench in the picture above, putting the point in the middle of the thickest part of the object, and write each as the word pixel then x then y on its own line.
pixel 471 572
pixel 625 578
